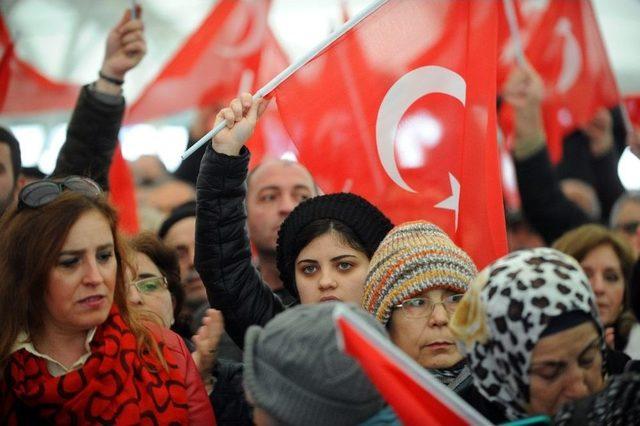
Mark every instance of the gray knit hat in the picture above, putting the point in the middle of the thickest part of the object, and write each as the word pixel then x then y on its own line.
pixel 295 371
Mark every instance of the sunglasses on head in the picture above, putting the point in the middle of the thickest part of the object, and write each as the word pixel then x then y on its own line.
pixel 41 193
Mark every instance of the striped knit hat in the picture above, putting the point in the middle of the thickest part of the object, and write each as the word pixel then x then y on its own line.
pixel 414 257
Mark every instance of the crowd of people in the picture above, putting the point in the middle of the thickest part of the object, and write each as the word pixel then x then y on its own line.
pixel 220 311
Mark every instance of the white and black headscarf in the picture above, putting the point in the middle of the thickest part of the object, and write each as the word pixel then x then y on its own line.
pixel 506 312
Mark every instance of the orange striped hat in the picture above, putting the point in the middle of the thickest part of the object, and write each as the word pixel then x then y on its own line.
pixel 412 258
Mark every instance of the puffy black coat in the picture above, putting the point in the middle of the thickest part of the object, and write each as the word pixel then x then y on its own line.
pixel 223 254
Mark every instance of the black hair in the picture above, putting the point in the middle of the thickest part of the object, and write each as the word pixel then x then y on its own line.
pixel 323 226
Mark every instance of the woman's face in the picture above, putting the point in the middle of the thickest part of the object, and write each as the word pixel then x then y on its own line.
pixel 565 366
pixel 156 299
pixel 328 269
pixel 427 340
pixel 604 271
pixel 79 293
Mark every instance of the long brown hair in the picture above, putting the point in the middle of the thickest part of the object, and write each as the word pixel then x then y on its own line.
pixel 30 242
pixel 579 242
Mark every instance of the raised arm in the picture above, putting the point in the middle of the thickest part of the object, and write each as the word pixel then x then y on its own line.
pixel 223 254
pixel 549 211
pixel 92 133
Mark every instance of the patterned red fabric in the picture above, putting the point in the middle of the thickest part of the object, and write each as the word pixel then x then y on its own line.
pixel 115 385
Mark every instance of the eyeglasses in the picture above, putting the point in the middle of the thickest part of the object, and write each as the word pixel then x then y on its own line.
pixel 150 285
pixel 629 227
pixel 421 307
pixel 38 194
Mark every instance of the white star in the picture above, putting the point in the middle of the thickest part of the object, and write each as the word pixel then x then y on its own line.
pixel 453 202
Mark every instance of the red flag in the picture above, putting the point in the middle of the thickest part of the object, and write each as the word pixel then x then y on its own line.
pixel 270 139
pixel 210 65
pixel 122 193
pixel 528 16
pixel 23 89
pixel 415 396
pixel 401 110
pixel 632 105
pixel 568 51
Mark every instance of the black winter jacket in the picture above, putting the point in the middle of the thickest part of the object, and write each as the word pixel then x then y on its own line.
pixel 223 254
pixel 92 136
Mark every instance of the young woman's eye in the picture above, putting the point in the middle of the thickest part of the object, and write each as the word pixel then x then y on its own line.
pixel 309 269
pixel 344 266
pixel 68 262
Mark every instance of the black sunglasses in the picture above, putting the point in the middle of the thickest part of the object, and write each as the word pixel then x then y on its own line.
pixel 38 194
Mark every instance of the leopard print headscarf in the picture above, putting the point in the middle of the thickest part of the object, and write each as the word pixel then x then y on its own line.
pixel 505 312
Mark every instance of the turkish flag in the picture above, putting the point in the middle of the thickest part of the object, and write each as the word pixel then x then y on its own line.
pixel 401 110
pixel 270 138
pixel 210 66
pixel 567 50
pixel 23 89
pixel 528 15
pixel 415 396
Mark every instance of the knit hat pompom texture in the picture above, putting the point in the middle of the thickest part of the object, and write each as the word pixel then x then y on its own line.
pixel 414 257
pixel 296 372
pixel 366 220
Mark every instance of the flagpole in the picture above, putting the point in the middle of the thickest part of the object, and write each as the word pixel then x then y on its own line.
pixel 134 14
pixel 287 72
pixel 512 20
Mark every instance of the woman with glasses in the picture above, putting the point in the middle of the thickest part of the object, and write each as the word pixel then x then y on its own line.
pixel 71 350
pixel 415 281
pixel 156 285
pixel 530 326
pixel 607 260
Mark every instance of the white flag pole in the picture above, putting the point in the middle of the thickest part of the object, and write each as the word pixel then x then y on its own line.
pixel 277 80
pixel 512 20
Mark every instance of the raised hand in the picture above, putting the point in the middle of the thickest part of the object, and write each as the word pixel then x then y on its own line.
pixel 206 340
pixel 524 91
pixel 241 116
pixel 125 47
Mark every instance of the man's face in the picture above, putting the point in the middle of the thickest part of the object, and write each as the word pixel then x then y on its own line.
pixel 182 238
pixel 275 189
pixel 626 223
pixel 7 182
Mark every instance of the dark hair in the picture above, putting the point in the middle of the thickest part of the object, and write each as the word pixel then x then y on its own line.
pixel 324 226
pixel 166 259
pixel 361 224
pixel 14 148
pixel 30 241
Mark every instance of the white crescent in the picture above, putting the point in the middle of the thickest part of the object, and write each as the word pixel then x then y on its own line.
pixel 571 56
pixel 404 92
pixel 253 41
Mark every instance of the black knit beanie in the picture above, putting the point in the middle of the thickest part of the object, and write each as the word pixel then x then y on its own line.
pixel 368 223
pixel 183 211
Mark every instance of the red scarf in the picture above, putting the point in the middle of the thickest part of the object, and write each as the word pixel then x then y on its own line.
pixel 115 385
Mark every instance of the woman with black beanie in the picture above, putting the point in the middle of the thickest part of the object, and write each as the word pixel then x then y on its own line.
pixel 324 245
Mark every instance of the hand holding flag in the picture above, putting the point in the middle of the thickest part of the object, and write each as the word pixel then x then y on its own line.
pixel 238 122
